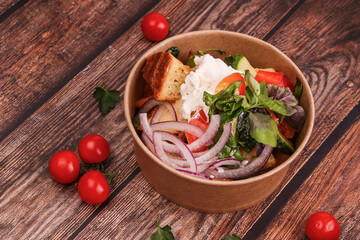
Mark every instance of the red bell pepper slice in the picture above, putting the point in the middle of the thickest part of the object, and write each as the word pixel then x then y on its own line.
pixel 286 130
pixel 274 78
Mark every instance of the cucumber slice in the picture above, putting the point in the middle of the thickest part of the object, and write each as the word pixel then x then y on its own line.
pixel 239 62
pixel 284 145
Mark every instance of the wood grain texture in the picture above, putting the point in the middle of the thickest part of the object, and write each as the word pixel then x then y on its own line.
pixel 333 187
pixel 46 209
pixel 45 43
pixel 6 4
pixel 315 53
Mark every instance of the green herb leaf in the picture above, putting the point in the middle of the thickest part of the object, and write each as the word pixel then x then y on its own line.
pixel 278 106
pixel 232 237
pixel 174 51
pixel 106 98
pixel 252 83
pixel 242 135
pixel 136 122
pixel 191 62
pixel 298 89
pixel 162 233
pixel 263 129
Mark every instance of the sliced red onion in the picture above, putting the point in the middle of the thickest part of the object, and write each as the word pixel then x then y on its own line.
pixel 158 112
pixel 179 126
pixel 145 125
pixel 186 153
pixel 244 171
pixel 218 146
pixel 208 135
pixel 148 142
pixel 227 161
pixel 200 175
pixel 152 102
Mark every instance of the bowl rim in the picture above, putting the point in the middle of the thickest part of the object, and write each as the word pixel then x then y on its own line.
pixel 286 163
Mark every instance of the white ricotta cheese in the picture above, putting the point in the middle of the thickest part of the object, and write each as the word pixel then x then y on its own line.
pixel 210 71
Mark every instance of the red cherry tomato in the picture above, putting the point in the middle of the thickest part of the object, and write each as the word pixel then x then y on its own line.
pixel 93 187
pixel 93 148
pixel 64 166
pixel 322 226
pixel 155 27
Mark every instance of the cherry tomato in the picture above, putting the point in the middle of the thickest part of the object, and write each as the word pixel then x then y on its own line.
pixel 64 166
pixel 93 187
pixel 322 226
pixel 155 27
pixel 93 148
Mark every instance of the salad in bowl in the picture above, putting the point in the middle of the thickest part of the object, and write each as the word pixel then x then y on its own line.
pixel 218 119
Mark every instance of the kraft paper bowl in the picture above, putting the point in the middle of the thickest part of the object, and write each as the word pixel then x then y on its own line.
pixel 202 194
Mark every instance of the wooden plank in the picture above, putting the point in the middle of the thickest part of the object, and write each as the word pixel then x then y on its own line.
pixel 56 210
pixel 46 43
pixel 323 76
pixel 333 187
pixel 6 5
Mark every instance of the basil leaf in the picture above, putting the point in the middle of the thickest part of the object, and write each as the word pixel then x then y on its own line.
pixel 278 106
pixel 298 89
pixel 174 51
pixel 263 129
pixel 250 96
pixel 242 135
pixel 252 83
pixel 283 94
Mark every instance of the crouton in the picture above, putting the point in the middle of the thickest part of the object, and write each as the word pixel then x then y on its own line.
pixel 164 74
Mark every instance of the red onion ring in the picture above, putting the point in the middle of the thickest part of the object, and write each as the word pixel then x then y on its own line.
pixel 158 112
pixel 179 126
pixel 243 171
pixel 208 135
pixel 218 146
pixel 152 102
pixel 186 153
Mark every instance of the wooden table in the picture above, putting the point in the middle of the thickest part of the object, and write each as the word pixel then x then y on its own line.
pixel 54 53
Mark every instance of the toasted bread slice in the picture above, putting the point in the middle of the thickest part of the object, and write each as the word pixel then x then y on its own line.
pixel 164 74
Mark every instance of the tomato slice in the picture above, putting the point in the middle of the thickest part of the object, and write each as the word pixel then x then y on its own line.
pixel 274 78
pixel 286 130
pixel 198 119
pixel 286 83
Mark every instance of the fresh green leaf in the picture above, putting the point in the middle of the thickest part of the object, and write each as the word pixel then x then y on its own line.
pixel 226 94
pixel 263 129
pixel 162 233
pixel 278 106
pixel 283 94
pixel 232 237
pixel 252 83
pixel 191 62
pixel 136 122
pixel 242 134
pixel 174 51
pixel 250 96
pixel 298 89
pixel 106 98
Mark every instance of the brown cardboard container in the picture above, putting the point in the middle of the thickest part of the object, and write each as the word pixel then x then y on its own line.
pixel 202 194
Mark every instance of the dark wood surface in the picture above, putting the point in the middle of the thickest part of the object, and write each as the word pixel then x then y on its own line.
pixel 54 53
